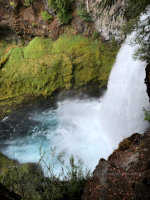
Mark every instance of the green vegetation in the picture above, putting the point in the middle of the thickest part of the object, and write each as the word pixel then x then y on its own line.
pixel 33 24
pixel 133 7
pixel 13 4
pixel 46 16
pixel 63 9
pixel 28 3
pixel 29 182
pixel 44 66
pixel 95 35
pixel 143 40
pixel 147 115
pixel 82 12
pixel 21 178
pixel 3 48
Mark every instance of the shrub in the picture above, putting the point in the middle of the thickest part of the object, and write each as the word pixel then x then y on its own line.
pixel 82 12
pixel 28 180
pixel 33 24
pixel 63 9
pixel 142 39
pixel 27 3
pixel 13 4
pixel 147 115
pixel 46 16
pixel 95 35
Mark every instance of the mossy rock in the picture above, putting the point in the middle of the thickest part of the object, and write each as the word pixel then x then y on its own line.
pixel 44 66
pixel 37 48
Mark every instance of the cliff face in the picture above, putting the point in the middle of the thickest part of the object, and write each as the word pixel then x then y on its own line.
pixel 126 173
pixel 27 22
pixel 107 23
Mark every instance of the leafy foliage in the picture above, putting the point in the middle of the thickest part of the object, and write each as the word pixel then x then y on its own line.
pixel 46 16
pixel 63 9
pixel 133 7
pixel 27 3
pixel 29 181
pixel 82 12
pixel 95 35
pixel 143 39
pixel 13 4
pixel 44 66
pixel 147 115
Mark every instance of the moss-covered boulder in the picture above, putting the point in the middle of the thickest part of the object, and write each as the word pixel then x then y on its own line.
pixel 44 66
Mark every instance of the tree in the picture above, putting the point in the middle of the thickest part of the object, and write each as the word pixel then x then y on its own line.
pixel 63 9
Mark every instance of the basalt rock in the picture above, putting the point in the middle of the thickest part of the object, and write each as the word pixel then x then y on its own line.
pixel 108 23
pixel 147 79
pixel 27 22
pixel 126 173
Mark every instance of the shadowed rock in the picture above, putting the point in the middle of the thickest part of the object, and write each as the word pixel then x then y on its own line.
pixel 5 194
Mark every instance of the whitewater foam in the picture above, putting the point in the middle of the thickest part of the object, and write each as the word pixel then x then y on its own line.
pixel 91 129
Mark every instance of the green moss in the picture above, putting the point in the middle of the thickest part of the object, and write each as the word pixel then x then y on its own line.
pixel 3 47
pixel 46 16
pixel 12 4
pixel 45 66
pixel 37 48
pixel 27 3
pixel 16 57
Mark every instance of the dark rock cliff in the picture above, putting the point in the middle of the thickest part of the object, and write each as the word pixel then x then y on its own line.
pixel 147 79
pixel 5 194
pixel 126 173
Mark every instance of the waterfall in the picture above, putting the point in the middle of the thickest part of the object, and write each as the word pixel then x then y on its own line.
pixel 90 128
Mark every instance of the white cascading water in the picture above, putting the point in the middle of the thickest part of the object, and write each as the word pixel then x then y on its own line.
pixel 92 129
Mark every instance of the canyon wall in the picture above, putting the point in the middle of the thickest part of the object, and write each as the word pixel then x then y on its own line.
pixel 27 22
pixel 22 22
pixel 108 23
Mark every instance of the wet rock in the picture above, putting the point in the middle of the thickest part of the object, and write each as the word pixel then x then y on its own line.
pixel 147 79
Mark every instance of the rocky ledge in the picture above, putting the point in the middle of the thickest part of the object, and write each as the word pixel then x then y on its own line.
pixel 126 173
pixel 20 22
